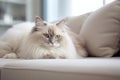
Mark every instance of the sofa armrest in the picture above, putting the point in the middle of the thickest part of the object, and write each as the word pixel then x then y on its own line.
pixel 69 69
pixel 3 62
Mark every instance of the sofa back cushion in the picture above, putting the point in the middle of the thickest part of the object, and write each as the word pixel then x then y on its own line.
pixel 101 30
pixel 76 22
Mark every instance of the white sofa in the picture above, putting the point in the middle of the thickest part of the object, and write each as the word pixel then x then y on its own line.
pixel 62 69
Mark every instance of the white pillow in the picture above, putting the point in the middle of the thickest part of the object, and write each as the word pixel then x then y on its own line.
pixel 101 30
pixel 76 22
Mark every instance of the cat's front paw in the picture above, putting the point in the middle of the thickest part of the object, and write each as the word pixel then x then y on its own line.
pixel 10 56
pixel 48 56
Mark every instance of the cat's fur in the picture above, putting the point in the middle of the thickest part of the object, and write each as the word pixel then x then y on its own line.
pixel 44 40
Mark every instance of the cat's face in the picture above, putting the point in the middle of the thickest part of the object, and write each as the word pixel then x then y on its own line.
pixel 49 34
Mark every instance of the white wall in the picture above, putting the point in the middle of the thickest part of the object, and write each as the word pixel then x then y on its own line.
pixel 60 8
pixel 84 6
pixel 56 9
pixel 51 9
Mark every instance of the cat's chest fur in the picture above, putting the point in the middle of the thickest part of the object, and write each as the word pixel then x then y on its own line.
pixel 37 52
pixel 33 50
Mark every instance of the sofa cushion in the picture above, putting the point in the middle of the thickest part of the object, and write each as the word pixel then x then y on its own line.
pixel 101 31
pixel 76 22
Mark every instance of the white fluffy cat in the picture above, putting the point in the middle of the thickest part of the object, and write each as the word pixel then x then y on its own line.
pixel 42 40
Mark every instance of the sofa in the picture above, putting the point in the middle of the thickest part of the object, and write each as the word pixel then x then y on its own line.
pixel 100 30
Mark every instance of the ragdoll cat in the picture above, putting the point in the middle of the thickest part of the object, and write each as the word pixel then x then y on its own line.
pixel 42 41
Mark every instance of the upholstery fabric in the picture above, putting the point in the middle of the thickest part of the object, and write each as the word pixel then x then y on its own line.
pixel 63 69
pixel 101 30
pixel 3 62
pixel 75 23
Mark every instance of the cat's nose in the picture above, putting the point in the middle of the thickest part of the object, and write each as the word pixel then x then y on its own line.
pixel 51 44
pixel 51 41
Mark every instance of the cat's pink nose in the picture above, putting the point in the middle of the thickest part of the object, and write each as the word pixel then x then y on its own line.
pixel 51 44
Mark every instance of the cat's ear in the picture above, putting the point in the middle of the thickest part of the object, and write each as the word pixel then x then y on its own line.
pixel 61 22
pixel 38 21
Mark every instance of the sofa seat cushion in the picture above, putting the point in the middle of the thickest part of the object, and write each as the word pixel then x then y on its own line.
pixel 90 68
pixel 7 61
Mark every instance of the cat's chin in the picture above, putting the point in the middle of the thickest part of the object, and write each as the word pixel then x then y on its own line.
pixel 54 45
